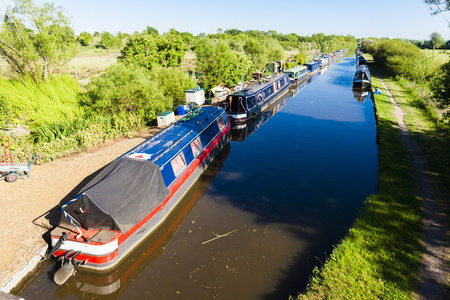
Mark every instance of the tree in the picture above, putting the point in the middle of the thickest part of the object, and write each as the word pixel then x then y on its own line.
pixel 220 65
pixel 436 40
pixel 171 49
pixel 173 82
pixel 85 38
pixel 106 39
pixel 149 51
pixel 438 6
pixel 440 85
pixel 34 40
pixel 126 89
pixel 140 49
pixel 151 30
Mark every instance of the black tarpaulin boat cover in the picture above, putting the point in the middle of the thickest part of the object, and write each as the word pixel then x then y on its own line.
pixel 120 196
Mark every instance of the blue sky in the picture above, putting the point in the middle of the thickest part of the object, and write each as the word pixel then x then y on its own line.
pixel 360 18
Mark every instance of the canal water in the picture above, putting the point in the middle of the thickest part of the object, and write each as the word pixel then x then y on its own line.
pixel 268 210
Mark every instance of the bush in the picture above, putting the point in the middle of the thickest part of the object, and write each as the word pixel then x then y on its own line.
pixel 440 85
pixel 395 56
pixel 220 65
pixel 173 82
pixel 126 89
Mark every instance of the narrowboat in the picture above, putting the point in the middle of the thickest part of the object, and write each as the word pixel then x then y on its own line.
pixel 362 77
pixel 297 74
pixel 252 100
pixel 312 67
pixel 134 194
pixel 241 131
pixel 110 284
pixel 360 60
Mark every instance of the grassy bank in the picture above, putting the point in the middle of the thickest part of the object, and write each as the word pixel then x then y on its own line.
pixel 380 256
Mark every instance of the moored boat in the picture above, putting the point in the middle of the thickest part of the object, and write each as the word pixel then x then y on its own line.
pixel 362 77
pixel 249 102
pixel 297 74
pixel 110 284
pixel 134 194
pixel 241 131
pixel 312 67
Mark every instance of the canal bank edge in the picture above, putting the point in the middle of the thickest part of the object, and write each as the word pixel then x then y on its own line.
pixel 338 273
pixel 24 271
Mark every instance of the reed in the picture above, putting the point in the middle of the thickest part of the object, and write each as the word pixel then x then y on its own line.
pixel 44 103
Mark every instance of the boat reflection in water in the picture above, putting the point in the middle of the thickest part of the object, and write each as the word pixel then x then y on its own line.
pixel 109 285
pixel 242 131
pixel 297 88
pixel 361 93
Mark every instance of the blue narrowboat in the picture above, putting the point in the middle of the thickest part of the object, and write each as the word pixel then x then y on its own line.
pixel 297 74
pixel 134 194
pixel 249 102
pixel 312 67
pixel 241 131
pixel 362 77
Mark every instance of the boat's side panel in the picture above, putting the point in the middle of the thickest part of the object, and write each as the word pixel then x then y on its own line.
pixel 265 96
pixel 131 239
pixel 176 195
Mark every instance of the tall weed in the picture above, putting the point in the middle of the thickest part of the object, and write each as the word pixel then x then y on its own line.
pixel 41 103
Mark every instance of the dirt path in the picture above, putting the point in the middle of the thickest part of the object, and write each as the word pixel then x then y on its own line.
pixel 434 271
pixel 24 218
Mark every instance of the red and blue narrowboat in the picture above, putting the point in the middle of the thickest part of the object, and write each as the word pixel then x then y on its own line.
pixel 134 194
pixel 252 100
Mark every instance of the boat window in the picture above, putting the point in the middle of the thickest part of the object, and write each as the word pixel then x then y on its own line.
pixel 178 164
pixel 196 146
pixel 221 122
pixel 251 102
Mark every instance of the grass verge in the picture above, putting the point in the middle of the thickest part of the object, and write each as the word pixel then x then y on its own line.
pixel 380 256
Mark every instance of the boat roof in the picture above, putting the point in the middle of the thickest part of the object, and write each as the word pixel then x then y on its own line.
pixel 167 143
pixel 295 69
pixel 258 85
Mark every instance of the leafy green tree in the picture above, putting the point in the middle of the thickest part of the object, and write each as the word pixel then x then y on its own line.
pixel 140 49
pixel 436 40
pixel 85 38
pixel 149 51
pixel 440 85
pixel 257 52
pixel 438 6
pixel 106 40
pixel 126 89
pixel 233 31
pixel 34 40
pixel 218 64
pixel 173 82
pixel 171 49
pixel 396 57
pixel 151 30
pixel 264 50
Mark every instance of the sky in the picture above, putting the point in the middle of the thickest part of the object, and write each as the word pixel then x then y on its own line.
pixel 408 19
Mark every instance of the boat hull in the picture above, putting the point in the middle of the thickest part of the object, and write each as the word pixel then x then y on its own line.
pixel 103 256
pixel 255 111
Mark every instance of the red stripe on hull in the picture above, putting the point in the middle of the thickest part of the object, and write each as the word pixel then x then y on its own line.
pixel 178 183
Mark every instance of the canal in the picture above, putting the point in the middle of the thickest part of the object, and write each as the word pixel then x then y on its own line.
pixel 267 211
